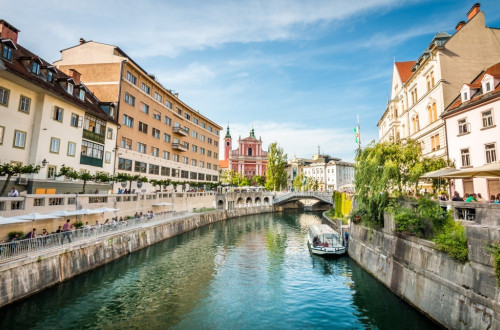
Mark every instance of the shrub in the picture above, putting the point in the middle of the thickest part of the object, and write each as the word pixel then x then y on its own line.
pixel 13 233
pixel 453 241
pixel 494 249
pixel 78 224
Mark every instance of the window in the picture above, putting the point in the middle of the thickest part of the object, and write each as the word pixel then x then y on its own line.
pixel 465 96
pixel 158 97
pixel 54 145
pixel 144 108
pixel 93 150
pixel 176 158
pixel 2 131
pixel 140 167
pixel 19 139
pixel 435 143
pixel 51 172
pixel 185 160
pixel 128 121
pixel 184 174
pixel 82 94
pixel 7 52
pixel 70 88
pixel 216 143
pixel 145 88
pixel 203 125
pixel 217 132
pixel 166 137
pixel 210 128
pixel 195 120
pixel 154 169
pixel 50 76
pixel 168 104
pixel 141 147
pixel 491 154
pixel 202 164
pixel 4 96
pixel 166 155
pixel 193 162
pixel 432 78
pixel 432 111
pixel 155 152
pixel 129 99
pixel 209 152
pixel 168 121
pixel 75 120
pixel 71 149
pixel 216 155
pixel 176 140
pixel 179 111
pixel 94 125
pixel 58 114
pixel 143 127
pixel 193 175
pixel 124 164
pixel 202 151
pixel 187 116
pixel 195 134
pixel 107 157
pixel 24 104
pixel 109 134
pixel 35 68
pixel 209 141
pixel 487 118
pixel 186 129
pixel 156 115
pixel 465 157
pixel 130 77
pixel 195 148
pixel 126 143
pixel 202 138
pixel 488 87
pixel 201 176
pixel 463 126
pixel 165 171
pixel 156 133
pixel 209 166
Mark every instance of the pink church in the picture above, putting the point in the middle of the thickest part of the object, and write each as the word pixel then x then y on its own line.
pixel 248 159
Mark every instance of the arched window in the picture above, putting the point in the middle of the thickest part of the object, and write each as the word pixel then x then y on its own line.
pixel 434 112
pixel 249 151
pixel 414 124
pixel 429 111
pixel 417 123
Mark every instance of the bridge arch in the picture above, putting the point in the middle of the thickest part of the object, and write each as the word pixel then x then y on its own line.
pixel 257 200
pixel 249 200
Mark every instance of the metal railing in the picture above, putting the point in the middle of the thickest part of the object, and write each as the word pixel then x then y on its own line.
pixel 25 247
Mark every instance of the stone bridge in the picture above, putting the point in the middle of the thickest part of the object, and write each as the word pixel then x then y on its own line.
pixel 325 197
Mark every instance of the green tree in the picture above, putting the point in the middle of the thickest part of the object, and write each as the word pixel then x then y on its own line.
pixel 259 180
pixel 244 182
pixel 276 173
pixel 10 170
pixel 298 182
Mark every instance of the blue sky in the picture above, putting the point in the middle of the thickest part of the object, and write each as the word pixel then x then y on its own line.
pixel 299 71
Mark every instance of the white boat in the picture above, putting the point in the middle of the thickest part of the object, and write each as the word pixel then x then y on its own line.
pixel 323 240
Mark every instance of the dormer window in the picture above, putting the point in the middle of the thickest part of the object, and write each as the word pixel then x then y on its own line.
pixel 7 52
pixel 82 94
pixel 466 92
pixel 487 87
pixel 465 96
pixel 50 76
pixel 70 88
pixel 35 68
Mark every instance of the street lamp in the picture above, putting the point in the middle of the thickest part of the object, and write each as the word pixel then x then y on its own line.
pixel 44 162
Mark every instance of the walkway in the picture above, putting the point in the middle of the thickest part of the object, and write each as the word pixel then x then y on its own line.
pixel 321 196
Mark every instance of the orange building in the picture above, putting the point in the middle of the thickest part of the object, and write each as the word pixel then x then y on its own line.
pixel 160 136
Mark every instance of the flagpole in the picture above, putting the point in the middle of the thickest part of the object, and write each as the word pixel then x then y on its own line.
pixel 359 135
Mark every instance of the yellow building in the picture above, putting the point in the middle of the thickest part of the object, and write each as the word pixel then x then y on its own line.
pixel 160 136
pixel 49 119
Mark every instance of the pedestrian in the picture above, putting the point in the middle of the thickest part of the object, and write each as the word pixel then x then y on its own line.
pixel 456 197
pixel 480 198
pixel 443 197
pixel 31 234
pixel 13 192
pixel 66 232
pixel 472 198
pixel 120 191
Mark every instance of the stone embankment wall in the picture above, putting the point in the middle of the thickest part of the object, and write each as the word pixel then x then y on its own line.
pixel 458 296
pixel 29 275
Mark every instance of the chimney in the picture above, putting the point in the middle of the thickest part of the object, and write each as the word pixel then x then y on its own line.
pixel 459 25
pixel 473 11
pixel 7 31
pixel 82 41
pixel 75 75
pixel 176 95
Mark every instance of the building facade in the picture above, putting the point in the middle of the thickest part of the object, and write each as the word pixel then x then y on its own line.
pixel 421 90
pixel 330 173
pixel 50 119
pixel 160 136
pixel 473 130
pixel 248 159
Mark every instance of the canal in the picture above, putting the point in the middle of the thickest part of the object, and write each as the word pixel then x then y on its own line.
pixel 244 273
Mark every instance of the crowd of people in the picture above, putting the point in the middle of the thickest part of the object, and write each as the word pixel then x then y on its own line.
pixel 471 198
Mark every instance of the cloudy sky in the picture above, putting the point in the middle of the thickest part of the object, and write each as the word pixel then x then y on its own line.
pixel 299 71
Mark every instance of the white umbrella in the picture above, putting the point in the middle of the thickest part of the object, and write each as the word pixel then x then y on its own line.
pixel 65 213
pixel 36 216
pixel 163 204
pixel 105 209
pixel 6 221
pixel 491 170
pixel 440 173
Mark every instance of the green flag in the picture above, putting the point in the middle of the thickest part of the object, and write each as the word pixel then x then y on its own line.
pixel 357 134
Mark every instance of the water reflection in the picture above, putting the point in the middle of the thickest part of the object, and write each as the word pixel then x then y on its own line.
pixel 246 273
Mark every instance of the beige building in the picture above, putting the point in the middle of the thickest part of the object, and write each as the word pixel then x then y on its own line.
pixel 49 119
pixel 160 136
pixel 421 90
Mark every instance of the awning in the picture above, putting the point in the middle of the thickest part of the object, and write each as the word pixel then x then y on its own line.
pixel 491 170
pixel 6 221
pixel 36 216
pixel 162 204
pixel 441 173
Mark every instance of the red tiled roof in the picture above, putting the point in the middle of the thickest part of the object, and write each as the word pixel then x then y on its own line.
pixel 16 66
pixel 404 69
pixel 494 71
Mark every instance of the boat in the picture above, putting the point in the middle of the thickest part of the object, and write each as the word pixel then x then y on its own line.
pixel 323 240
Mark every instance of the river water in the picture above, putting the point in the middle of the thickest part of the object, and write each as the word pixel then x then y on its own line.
pixel 253 272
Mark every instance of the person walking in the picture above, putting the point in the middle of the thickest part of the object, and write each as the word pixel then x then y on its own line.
pixel 66 232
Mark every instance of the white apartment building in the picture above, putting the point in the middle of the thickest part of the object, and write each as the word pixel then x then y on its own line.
pixel 50 119
pixel 422 89
pixel 330 173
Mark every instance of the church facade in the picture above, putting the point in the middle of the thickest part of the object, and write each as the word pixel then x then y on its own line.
pixel 248 159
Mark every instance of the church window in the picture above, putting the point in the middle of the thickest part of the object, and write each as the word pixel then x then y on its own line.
pixel 249 151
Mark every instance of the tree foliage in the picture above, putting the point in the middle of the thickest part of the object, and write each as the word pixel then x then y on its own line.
pixel 259 180
pixel 298 182
pixel 10 170
pixel 276 173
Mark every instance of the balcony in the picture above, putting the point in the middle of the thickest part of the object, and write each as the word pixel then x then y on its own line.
pixel 180 131
pixel 179 146
pixel 85 160
pixel 93 136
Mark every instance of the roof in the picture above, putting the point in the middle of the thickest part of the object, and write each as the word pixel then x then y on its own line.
pixel 404 70
pixel 479 96
pixel 18 68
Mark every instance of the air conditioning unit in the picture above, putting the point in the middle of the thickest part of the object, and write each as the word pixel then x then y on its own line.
pixel 22 181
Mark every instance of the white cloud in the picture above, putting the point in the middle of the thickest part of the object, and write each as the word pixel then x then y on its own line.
pixel 194 73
